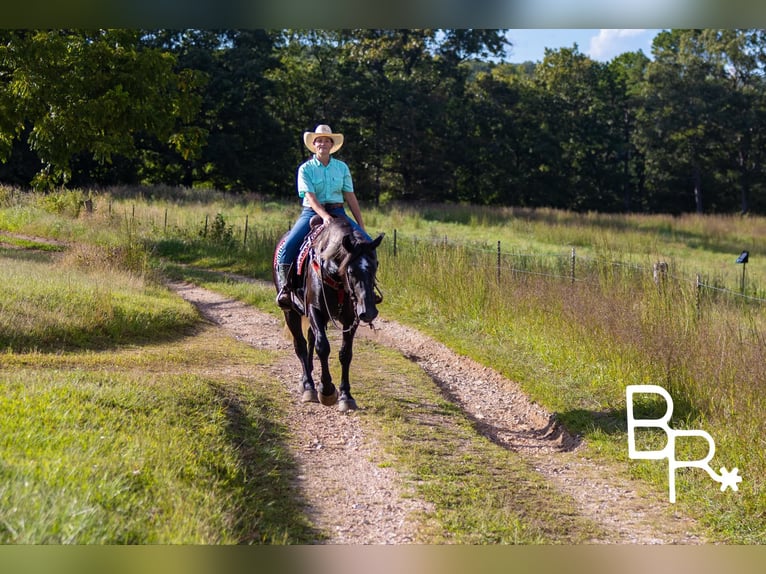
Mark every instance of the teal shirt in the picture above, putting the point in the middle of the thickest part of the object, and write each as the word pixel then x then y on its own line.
pixel 326 182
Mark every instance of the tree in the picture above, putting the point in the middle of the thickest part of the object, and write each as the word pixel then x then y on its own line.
pixel 245 145
pixel 682 124
pixel 582 128
pixel 97 92
pixel 742 55
pixel 627 71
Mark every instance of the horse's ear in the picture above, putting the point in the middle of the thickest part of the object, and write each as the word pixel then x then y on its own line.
pixel 348 243
pixel 377 240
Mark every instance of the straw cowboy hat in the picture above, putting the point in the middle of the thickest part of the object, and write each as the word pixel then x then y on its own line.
pixel 322 130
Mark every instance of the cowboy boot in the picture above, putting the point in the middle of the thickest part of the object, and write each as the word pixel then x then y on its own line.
pixel 284 297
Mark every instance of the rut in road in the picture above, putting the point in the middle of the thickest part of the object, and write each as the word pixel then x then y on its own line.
pixel 369 504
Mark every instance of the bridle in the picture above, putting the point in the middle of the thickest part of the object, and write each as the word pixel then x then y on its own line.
pixel 342 285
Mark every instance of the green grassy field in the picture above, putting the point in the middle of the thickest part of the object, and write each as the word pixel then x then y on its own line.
pixel 573 346
pixel 122 422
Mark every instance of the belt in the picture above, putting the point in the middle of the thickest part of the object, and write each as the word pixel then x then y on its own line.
pixel 333 206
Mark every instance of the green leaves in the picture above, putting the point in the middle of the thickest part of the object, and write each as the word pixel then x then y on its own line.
pixel 95 92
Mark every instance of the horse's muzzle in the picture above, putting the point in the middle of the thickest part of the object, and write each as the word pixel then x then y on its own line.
pixel 368 314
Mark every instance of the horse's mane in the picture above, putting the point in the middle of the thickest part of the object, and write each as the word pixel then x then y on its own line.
pixel 329 244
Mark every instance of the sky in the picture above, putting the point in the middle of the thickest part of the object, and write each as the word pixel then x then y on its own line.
pixel 602 45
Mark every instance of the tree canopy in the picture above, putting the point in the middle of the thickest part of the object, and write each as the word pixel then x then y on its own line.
pixel 428 114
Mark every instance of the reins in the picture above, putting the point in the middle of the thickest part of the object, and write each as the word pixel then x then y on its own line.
pixel 341 286
pixel 325 280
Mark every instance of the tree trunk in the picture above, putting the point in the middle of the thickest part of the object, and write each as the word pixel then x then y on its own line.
pixel 696 176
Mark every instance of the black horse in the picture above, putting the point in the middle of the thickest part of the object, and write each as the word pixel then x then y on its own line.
pixel 335 281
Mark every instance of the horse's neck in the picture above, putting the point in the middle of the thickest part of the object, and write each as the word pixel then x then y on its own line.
pixel 329 244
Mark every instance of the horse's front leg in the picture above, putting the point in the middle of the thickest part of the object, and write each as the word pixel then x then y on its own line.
pixel 346 401
pixel 304 354
pixel 328 394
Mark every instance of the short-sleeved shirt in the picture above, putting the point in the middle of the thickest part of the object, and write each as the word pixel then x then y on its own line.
pixel 326 182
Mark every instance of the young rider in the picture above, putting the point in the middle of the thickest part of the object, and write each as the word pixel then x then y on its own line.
pixel 323 183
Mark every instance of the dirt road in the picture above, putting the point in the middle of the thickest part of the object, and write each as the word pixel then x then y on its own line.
pixel 368 504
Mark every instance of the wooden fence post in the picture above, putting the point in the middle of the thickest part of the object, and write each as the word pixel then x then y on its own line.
pixel 498 261
pixel 573 265
pixel 394 242
pixel 244 241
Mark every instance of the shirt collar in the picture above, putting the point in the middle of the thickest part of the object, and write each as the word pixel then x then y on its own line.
pixel 315 161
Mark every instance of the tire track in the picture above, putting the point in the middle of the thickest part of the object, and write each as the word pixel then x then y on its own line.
pixel 350 497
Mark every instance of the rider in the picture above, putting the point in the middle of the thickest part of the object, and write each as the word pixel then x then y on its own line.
pixel 324 183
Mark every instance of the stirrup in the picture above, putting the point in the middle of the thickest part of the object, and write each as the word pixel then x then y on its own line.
pixel 284 299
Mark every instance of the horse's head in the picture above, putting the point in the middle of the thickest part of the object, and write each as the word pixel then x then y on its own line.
pixel 360 267
pixel 353 258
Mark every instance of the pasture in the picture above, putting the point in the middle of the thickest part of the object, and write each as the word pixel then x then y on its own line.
pixel 95 347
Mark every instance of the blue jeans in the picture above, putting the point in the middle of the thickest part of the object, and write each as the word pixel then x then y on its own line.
pixel 292 244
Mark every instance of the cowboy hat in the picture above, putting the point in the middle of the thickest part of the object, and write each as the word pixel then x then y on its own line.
pixel 322 130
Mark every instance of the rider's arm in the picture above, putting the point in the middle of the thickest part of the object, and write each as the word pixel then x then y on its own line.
pixel 353 205
pixel 317 207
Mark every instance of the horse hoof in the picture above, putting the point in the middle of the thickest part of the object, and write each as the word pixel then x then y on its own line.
pixel 329 400
pixel 309 396
pixel 347 405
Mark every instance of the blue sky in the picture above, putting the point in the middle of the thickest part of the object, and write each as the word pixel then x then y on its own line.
pixel 602 45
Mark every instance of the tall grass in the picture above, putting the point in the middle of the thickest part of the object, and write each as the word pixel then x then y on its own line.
pixel 123 422
pixel 43 309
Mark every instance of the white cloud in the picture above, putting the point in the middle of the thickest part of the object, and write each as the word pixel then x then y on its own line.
pixel 613 42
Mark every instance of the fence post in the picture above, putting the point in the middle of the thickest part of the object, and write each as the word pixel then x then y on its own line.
pixel 165 226
pixel 394 242
pixel 573 265
pixel 698 293
pixel 498 261
pixel 244 241
pixel 205 234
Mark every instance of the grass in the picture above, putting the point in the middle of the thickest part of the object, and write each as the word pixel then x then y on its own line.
pixel 122 421
pixel 145 445
pixel 574 347
pixel 42 302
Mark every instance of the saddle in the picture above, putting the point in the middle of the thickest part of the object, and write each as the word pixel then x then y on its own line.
pixel 317 225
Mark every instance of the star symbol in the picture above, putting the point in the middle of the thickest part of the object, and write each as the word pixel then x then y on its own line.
pixel 729 479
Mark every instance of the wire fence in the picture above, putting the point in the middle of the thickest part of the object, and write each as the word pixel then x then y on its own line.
pixel 568 265
pixel 578 268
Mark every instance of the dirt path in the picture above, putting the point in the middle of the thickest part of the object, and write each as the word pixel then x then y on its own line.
pixel 350 497
pixel 374 507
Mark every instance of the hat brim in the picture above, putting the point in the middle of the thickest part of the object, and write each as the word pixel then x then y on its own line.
pixel 309 137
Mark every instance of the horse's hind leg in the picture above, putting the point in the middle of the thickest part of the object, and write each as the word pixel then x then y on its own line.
pixel 345 401
pixel 304 354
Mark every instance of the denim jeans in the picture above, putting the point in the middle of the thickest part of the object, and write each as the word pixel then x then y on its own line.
pixel 292 244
